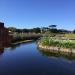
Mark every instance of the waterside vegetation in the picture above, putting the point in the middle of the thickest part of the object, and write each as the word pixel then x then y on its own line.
pixel 65 43
pixel 57 41
pixel 51 36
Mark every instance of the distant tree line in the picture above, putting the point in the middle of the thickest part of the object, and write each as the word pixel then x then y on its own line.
pixel 34 30
pixel 50 28
pixel 53 29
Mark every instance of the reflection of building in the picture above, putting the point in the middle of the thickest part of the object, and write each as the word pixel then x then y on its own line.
pixel 5 39
pixel 1 51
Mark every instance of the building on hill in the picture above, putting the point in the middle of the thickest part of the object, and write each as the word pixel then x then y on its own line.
pixel 5 39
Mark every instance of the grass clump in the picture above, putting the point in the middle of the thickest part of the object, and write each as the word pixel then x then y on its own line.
pixel 58 43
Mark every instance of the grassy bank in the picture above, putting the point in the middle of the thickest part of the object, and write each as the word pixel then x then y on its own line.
pixel 23 37
pixel 47 41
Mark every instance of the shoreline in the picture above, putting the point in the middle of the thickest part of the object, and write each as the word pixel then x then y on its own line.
pixel 56 49
pixel 20 42
pixel 17 43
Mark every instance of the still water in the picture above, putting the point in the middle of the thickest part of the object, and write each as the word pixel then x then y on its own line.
pixel 27 59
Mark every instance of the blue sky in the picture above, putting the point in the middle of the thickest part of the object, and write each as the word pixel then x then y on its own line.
pixel 38 13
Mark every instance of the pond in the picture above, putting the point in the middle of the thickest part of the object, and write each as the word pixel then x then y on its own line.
pixel 27 59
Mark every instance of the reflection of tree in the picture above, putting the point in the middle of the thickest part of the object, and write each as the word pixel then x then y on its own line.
pixel 13 47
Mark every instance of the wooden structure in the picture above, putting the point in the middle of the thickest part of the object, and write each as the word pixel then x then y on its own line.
pixel 5 39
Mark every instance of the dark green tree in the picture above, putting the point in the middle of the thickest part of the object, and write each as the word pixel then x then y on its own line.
pixel 52 26
pixel 12 29
pixel 73 31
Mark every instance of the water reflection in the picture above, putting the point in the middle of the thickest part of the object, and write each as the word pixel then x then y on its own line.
pixel 1 50
pixel 68 56
pixel 6 45
pixel 26 60
pixel 2 46
pixel 13 47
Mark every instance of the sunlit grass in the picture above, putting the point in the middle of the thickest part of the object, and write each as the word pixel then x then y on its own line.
pixel 58 42
pixel 69 35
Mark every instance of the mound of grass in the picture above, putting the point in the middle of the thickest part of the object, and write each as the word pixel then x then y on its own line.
pixel 58 43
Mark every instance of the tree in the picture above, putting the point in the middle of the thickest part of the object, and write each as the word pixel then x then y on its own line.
pixel 25 30
pixel 19 30
pixel 35 30
pixel 53 29
pixel 52 26
pixel 12 29
pixel 73 31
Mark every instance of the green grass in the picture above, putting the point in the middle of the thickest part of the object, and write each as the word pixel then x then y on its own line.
pixel 56 42
pixel 70 35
